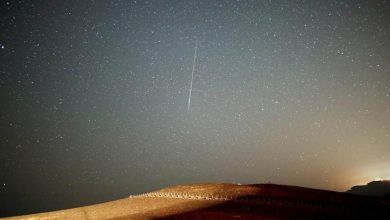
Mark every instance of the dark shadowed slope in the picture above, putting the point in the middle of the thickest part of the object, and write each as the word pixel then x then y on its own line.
pixel 374 188
pixel 230 201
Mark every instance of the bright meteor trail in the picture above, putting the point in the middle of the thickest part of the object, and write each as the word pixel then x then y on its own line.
pixel 192 77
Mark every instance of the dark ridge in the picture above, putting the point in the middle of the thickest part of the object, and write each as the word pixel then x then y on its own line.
pixel 374 188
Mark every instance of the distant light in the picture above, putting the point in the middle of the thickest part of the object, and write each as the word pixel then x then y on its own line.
pixel 378 179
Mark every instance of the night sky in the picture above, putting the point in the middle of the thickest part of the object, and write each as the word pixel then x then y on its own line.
pixel 94 97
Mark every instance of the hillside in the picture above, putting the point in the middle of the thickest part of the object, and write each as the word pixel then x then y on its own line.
pixel 230 201
pixel 374 188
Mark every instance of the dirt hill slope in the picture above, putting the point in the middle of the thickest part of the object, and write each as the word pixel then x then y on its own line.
pixel 230 201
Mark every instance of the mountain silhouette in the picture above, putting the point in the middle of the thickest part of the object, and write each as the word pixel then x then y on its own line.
pixel 374 188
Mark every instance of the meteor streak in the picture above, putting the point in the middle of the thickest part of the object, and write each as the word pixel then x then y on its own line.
pixel 192 77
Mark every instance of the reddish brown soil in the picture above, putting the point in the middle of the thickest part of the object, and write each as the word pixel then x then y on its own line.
pixel 229 201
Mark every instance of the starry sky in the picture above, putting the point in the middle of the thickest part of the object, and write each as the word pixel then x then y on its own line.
pixel 94 96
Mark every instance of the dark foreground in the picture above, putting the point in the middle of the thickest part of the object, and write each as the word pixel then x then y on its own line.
pixel 230 201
